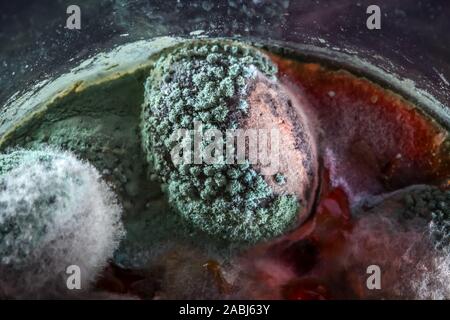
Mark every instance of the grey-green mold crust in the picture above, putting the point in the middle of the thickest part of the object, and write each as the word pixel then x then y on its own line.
pixel 432 204
pixel 16 158
pixel 205 81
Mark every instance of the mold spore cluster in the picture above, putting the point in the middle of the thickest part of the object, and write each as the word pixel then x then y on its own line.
pixel 432 204
pixel 55 211
pixel 206 82
pixel 419 207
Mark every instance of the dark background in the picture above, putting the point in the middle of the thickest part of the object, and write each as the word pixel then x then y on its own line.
pixel 35 45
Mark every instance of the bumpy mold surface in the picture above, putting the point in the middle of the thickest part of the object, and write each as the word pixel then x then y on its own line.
pixel 207 82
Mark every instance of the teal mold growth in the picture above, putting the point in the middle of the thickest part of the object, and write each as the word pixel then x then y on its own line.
pixel 205 82
pixel 435 201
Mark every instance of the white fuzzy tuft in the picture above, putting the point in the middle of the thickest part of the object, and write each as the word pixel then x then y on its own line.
pixel 55 211
pixel 435 284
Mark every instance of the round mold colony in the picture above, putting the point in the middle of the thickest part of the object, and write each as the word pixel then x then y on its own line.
pixel 55 211
pixel 222 134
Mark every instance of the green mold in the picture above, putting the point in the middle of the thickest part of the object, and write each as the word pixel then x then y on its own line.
pixel 432 204
pixel 205 81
